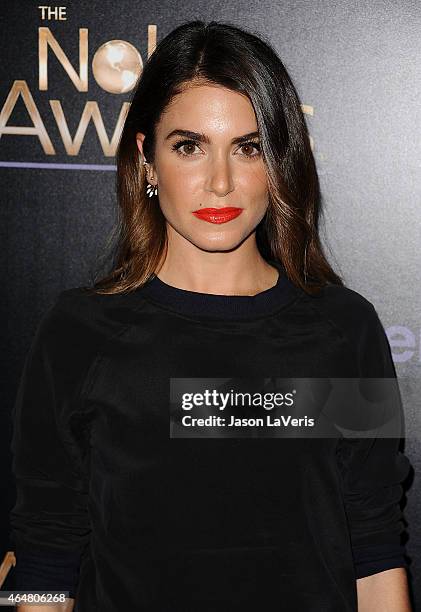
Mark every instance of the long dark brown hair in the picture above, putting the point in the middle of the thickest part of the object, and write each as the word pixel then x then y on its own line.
pixel 222 54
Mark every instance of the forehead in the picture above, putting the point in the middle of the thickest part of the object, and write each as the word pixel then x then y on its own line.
pixel 211 109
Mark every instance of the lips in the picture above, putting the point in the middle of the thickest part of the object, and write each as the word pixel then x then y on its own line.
pixel 218 215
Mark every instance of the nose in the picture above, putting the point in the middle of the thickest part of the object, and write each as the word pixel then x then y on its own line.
pixel 219 179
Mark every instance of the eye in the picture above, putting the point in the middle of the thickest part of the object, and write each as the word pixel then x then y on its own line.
pixel 251 145
pixel 189 144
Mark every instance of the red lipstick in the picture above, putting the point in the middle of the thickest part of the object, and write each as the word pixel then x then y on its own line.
pixel 218 215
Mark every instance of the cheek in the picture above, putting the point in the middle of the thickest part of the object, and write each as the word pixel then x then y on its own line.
pixel 253 184
pixel 179 190
pixel 178 178
pixel 254 190
pixel 178 197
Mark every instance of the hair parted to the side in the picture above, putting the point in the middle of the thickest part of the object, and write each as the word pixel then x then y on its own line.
pixel 225 55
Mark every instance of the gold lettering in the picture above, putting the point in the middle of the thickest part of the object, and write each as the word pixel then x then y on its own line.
pixel 151 39
pixel 46 39
pixel 308 110
pixel 20 88
pixel 91 110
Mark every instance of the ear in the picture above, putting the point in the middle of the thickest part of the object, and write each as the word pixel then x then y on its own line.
pixel 139 141
pixel 149 168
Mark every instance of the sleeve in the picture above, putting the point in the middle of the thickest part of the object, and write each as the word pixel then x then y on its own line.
pixel 50 525
pixel 373 470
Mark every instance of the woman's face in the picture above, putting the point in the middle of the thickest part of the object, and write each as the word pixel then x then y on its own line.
pixel 217 164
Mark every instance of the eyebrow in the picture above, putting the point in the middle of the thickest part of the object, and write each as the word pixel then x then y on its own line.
pixel 200 137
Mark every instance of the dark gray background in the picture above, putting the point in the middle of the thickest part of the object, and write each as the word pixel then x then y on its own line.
pixel 357 64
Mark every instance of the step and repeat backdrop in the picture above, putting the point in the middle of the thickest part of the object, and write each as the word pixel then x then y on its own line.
pixel 67 74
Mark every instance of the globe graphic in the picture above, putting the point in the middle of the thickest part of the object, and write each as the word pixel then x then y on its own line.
pixel 116 66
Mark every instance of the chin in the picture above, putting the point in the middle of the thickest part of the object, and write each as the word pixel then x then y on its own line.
pixel 218 243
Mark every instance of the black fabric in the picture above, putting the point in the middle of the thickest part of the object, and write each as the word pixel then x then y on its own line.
pixel 140 521
pixel 373 559
pixel 47 571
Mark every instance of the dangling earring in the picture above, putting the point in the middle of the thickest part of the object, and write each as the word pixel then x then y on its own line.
pixel 151 190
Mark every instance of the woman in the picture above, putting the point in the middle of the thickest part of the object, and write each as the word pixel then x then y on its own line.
pixel 218 272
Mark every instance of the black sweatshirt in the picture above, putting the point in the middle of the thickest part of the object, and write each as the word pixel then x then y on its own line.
pixel 123 515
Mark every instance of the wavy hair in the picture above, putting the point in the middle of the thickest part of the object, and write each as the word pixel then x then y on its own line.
pixel 222 54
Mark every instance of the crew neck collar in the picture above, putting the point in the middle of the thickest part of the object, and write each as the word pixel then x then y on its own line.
pixel 208 305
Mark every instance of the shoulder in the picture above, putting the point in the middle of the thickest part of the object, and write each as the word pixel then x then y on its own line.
pixel 83 302
pixel 79 319
pixel 341 295
pixel 71 336
pixel 90 308
pixel 358 321
pixel 346 308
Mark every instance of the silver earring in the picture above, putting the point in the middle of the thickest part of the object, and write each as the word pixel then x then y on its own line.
pixel 151 190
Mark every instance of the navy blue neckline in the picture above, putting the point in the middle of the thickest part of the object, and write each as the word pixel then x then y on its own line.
pixel 208 305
